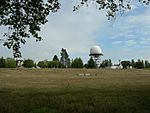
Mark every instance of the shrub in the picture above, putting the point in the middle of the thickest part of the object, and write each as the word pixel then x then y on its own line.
pixel 28 63
pixel 10 63
pixel 2 62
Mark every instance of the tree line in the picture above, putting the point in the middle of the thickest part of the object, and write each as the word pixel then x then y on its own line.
pixel 29 63
pixel 139 64
pixel 74 63
pixel 127 64
pixel 65 62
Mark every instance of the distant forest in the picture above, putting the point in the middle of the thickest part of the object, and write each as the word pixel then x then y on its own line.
pixel 65 62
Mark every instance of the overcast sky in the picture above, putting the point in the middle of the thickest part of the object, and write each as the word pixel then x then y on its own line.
pixel 126 37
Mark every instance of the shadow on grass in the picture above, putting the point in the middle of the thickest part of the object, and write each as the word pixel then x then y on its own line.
pixel 82 100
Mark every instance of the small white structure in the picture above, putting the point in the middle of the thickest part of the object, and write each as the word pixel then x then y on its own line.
pixel 19 62
pixel 96 53
pixel 116 66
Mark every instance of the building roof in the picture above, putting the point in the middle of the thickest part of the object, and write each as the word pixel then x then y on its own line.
pixel 95 50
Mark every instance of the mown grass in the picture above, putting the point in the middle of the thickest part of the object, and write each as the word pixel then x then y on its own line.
pixel 63 91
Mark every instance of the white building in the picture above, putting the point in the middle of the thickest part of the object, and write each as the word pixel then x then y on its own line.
pixel 96 53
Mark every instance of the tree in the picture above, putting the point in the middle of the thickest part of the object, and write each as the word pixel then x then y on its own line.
pixel 109 63
pixel 139 64
pixel 102 65
pixel 147 64
pixel 24 18
pixel 10 63
pixel 28 63
pixel 65 60
pixel 80 63
pixel 55 58
pixel 2 62
pixel 112 7
pixel 133 63
pixel 56 64
pixel 43 64
pixel 52 64
pixel 106 63
pixel 126 64
pixel 77 63
pixel 91 63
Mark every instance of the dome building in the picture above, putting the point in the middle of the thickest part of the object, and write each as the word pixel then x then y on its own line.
pixel 96 53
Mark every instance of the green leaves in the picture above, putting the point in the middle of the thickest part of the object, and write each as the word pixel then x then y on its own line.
pixel 77 63
pixel 112 7
pixel 24 18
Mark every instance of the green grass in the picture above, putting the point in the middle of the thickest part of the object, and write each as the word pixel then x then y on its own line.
pixel 63 91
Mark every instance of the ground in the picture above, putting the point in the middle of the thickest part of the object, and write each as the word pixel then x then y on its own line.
pixel 74 91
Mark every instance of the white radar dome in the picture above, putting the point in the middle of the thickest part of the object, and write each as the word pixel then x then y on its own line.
pixel 95 51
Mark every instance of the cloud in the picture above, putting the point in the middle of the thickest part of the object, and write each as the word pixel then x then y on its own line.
pixel 73 31
pixel 132 29
pixel 126 37
pixel 130 43
pixel 127 43
pixel 145 41
pixel 117 42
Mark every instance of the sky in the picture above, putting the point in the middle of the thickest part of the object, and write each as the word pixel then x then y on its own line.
pixel 124 38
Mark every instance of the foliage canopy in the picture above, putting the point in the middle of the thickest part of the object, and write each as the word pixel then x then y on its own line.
pixel 2 62
pixel 29 63
pixel 65 60
pixel 10 63
pixel 77 63
pixel 25 17
pixel 91 63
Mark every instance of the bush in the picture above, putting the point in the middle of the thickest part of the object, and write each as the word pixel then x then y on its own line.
pixel 43 64
pixel 29 63
pixel 91 63
pixel 10 63
pixel 139 64
pixel 77 63
pixel 54 64
pixel 2 62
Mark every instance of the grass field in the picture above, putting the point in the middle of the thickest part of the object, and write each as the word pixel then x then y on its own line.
pixel 66 91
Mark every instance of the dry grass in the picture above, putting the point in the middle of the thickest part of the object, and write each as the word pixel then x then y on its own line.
pixel 56 78
pixel 65 91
